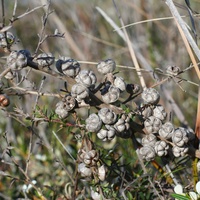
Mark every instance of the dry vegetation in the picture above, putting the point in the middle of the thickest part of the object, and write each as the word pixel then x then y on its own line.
pixel 41 151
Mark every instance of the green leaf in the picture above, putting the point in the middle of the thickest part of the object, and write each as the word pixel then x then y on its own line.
pixel 180 197
pixel 129 195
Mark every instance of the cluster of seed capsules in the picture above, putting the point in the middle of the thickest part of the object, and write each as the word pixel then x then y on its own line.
pixel 160 135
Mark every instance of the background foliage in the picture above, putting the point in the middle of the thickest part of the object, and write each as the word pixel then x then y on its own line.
pixel 29 128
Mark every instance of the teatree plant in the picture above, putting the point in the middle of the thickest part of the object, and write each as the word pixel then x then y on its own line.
pixel 100 129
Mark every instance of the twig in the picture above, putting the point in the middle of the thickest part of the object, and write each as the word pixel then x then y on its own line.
pixel 182 26
pixel 26 13
pixel 4 72
pixel 42 36
pixel 24 91
pixel 145 172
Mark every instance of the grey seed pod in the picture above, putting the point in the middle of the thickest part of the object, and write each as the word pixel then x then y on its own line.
pixel 16 60
pixel 121 125
pixel 161 148
pixel 45 59
pixel 112 95
pixel 69 102
pixel 87 78
pixel 91 157
pixel 93 123
pixel 173 70
pixel 120 83
pixel 179 151
pixel 179 137
pixel 80 92
pixel 68 66
pixel 102 172
pixel 107 116
pixel 159 112
pixel 81 154
pixel 60 110
pixel 106 66
pixel 146 112
pixel 150 96
pixel 166 131
pixel 152 124
pixel 6 40
pixel 84 170
pixel 147 153
pixel 149 140
pixel 106 134
pixel 96 195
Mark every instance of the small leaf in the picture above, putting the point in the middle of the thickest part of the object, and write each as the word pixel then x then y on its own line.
pixel 180 197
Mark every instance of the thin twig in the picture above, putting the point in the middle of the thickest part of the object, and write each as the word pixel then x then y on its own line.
pixel 184 28
pixel 26 13
pixel 56 136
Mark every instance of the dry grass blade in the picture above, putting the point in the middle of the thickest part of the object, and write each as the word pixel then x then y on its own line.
pixel 64 146
pixel 146 21
pixel 112 23
pixel 197 128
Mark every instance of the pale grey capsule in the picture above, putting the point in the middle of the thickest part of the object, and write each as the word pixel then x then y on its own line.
pixel 146 112
pixel 147 153
pixel 16 60
pixel 102 172
pixel 107 116
pixel 161 148
pixel 91 157
pixel 179 137
pixel 79 92
pixel 106 135
pixel 60 110
pixel 179 151
pixel 93 123
pixel 151 96
pixel 68 66
pixel 69 102
pixel 166 131
pixel 120 83
pixel 159 112
pixel 45 59
pixel 149 140
pixel 173 70
pixel 106 66
pixel 96 195
pixel 112 95
pixel 152 124
pixel 87 78
pixel 84 170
